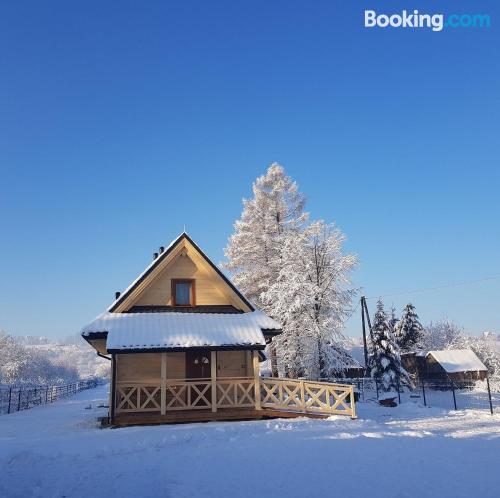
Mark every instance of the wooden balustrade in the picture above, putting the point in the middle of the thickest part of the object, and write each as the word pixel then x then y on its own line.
pixel 134 397
pixel 307 397
pixel 237 392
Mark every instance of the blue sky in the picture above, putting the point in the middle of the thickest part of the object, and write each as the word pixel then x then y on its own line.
pixel 122 122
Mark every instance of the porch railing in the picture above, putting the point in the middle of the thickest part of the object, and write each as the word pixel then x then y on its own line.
pixel 237 392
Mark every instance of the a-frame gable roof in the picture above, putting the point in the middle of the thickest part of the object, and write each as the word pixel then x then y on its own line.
pixel 153 267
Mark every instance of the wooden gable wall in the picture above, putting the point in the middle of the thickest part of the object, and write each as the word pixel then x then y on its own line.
pixel 159 292
pixel 185 262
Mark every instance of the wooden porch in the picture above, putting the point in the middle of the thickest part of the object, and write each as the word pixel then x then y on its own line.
pixel 196 400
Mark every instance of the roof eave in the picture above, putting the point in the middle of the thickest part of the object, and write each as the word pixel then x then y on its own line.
pixel 180 349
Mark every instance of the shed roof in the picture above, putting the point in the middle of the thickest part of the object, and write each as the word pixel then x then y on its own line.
pixel 458 360
pixel 153 331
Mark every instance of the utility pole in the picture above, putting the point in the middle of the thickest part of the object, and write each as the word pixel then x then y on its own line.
pixel 364 330
pixel 364 309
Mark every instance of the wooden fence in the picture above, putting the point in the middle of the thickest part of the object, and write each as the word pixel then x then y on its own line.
pixel 17 398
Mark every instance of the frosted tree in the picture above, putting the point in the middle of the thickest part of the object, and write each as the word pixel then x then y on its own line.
pixel 254 251
pixel 296 272
pixel 443 334
pixel 393 320
pixel 408 332
pixel 311 297
pixel 385 360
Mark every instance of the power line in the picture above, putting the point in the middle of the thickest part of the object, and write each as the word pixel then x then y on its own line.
pixel 446 286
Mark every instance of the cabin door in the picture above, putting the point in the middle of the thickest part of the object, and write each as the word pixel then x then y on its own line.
pixel 198 367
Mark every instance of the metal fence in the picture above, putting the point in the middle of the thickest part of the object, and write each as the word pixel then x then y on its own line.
pixel 17 398
pixel 438 393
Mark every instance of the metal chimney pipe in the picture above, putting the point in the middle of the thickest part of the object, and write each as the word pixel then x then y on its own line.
pixel 117 295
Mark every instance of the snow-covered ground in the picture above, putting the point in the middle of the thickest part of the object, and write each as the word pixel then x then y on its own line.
pixel 409 451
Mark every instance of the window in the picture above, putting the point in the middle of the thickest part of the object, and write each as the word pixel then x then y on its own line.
pixel 183 292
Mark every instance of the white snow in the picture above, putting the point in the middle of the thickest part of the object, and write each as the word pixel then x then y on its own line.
pixel 458 360
pixel 171 330
pixel 407 451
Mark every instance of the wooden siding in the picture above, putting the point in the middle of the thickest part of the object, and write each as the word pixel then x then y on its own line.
pixel 99 345
pixel 233 364
pixel 185 261
pixel 146 367
pixel 159 292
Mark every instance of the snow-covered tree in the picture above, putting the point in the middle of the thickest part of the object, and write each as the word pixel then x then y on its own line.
pixel 254 250
pixel 408 331
pixel 21 364
pixel 443 334
pixel 311 299
pixel 385 361
pixel 294 271
pixel 393 319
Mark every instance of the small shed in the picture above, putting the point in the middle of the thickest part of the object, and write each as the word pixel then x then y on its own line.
pixel 357 367
pixel 460 365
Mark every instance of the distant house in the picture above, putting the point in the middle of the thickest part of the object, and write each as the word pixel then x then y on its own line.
pixel 185 344
pixel 356 368
pixel 460 365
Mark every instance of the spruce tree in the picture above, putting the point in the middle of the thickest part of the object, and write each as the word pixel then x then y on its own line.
pixel 385 361
pixel 408 330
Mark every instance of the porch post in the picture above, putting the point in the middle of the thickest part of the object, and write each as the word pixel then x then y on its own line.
pixel 163 388
pixel 213 378
pixel 256 376
pixel 112 394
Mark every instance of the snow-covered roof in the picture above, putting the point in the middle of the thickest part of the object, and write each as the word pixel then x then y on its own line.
pixel 458 360
pixel 127 331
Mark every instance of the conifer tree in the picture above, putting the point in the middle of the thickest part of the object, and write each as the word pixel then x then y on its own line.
pixel 385 360
pixel 408 331
pixel 294 271
pixel 254 251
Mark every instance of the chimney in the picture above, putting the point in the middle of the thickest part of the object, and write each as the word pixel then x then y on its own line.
pixel 155 255
pixel 117 295
pixel 161 249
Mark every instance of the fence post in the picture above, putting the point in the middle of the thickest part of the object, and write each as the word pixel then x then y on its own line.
pixel 376 386
pixel 10 397
pixel 489 394
pixel 454 397
pixel 423 392
pixel 399 391
pixel 19 400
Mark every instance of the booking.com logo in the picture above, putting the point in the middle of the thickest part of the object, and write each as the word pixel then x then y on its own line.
pixel 436 22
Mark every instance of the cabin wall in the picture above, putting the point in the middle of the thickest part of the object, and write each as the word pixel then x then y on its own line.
pixel 146 367
pixel 206 290
pixel 138 367
pixel 234 364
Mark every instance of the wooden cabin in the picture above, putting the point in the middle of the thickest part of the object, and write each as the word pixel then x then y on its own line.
pixel 185 345
pixel 459 365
